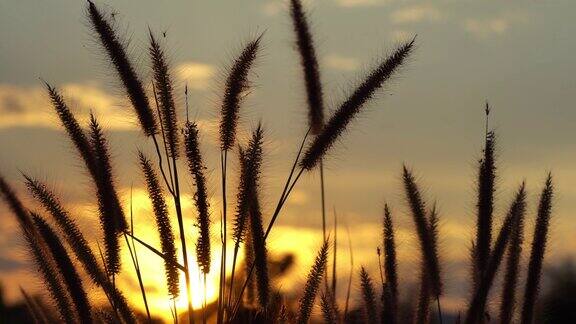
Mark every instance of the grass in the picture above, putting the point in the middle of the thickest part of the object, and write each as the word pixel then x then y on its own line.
pixel 249 294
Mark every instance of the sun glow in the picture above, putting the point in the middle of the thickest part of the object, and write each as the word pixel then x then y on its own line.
pixel 202 289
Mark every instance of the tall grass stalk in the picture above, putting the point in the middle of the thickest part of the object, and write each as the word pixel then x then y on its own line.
pixel 368 297
pixel 116 51
pixel 329 308
pixel 428 244
pixel 260 253
pixel 477 305
pixel 350 274
pixel 508 298
pixel 250 164
pixel 237 83
pixel 134 256
pixel 196 168
pixel 163 224
pixel 390 265
pixel 66 268
pixel 38 251
pixel 349 109
pixel 485 197
pixel 334 254
pixel 537 252
pixel 313 84
pixel 312 284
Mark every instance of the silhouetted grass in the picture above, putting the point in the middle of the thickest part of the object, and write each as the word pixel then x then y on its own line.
pixel 348 110
pixel 390 267
pixel 428 244
pixel 116 52
pixel 508 302
pixel 477 305
pixel 71 277
pixel 312 284
pixel 163 223
pixel 75 303
pixel 196 168
pixel 485 205
pixel 537 251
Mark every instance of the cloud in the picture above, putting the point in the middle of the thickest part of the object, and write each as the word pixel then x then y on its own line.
pixel 417 13
pixel 341 63
pixel 196 75
pixel 30 106
pixel 495 26
pixel 361 3
pixel 272 8
pixel 487 27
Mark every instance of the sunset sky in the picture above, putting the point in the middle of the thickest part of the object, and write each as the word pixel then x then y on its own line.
pixel 518 55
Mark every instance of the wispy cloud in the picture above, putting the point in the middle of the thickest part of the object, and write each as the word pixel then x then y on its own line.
pixel 272 8
pixel 417 13
pixel 341 63
pixel 30 106
pixel 196 75
pixel 362 3
pixel 494 26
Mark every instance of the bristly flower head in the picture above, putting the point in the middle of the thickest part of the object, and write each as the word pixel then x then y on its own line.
pixel 309 64
pixel 196 167
pixel 163 87
pixel 236 86
pixel 163 223
pixel 351 107
pixel 117 54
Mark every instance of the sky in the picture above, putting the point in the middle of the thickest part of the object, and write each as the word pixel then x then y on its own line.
pixel 517 55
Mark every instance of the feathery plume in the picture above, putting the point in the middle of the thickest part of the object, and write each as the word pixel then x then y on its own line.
pixel 351 107
pixel 38 252
pixel 15 205
pixel 236 85
pixel 250 164
pixel 428 245
pixel 310 68
pixel 478 303
pixel 260 252
pixel 112 217
pixel 67 270
pixel 248 261
pixel 242 199
pixel 196 167
pixel 312 284
pixel 368 296
pixel 537 252
pixel 50 276
pixel 163 223
pixel 163 84
pixel 68 227
pixel 73 129
pixel 117 54
pixel 486 181
pixel 329 308
pixel 108 201
pixel 512 268
pixel 423 308
pixel 390 265
pixel 424 295
pixel 105 176
pixel 79 245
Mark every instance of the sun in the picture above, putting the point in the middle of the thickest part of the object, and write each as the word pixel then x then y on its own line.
pixel 200 290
